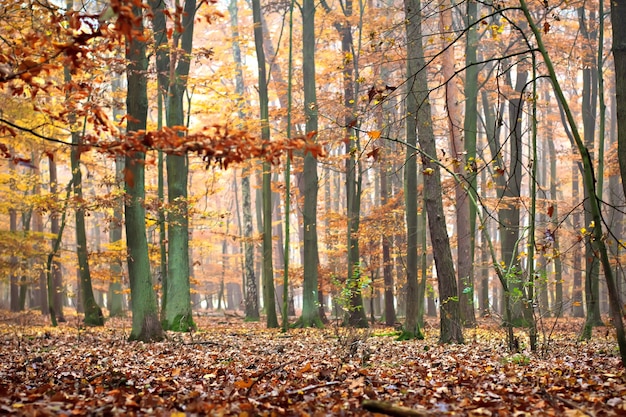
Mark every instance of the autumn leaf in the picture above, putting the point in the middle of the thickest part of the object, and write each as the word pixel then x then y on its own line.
pixel 244 383
pixel 374 134
pixel 546 27
pixel 129 178
pixel 374 153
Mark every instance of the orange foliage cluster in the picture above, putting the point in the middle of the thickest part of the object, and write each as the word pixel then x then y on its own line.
pixel 82 43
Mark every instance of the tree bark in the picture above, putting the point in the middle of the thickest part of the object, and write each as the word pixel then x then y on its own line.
pixel 178 314
pixel 268 269
pixel 449 317
pixel 145 323
pixel 310 313
pixel 618 20
pixel 462 168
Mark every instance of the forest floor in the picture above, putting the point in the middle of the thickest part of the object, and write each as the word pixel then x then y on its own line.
pixel 229 367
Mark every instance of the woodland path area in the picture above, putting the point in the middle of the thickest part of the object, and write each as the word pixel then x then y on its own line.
pixel 229 367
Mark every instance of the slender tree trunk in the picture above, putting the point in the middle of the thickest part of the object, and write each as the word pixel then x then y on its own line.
pixel 449 317
pixel 557 307
pixel 310 313
pixel 511 213
pixel 618 19
pixel 589 110
pixel 390 310
pixel 413 28
pixel 462 167
pixel 268 270
pixel 55 269
pixel 14 287
pixel 93 313
pixel 578 309
pixel 356 313
pixel 115 297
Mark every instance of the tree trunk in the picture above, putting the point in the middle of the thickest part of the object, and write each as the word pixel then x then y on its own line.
pixel 510 218
pixel 13 278
pixel 268 269
pixel 115 297
pixel 390 310
pixel 145 323
pixel 356 312
pixel 310 312
pixel 462 167
pixel 449 317
pixel 413 29
pixel 251 304
pixel 578 309
pixel 618 20
pixel 589 110
pixel 178 315
pixel 55 269
pixel 93 313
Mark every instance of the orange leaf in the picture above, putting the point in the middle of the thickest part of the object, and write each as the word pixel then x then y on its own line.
pixel 128 177
pixel 244 383
pixel 374 134
pixel 306 367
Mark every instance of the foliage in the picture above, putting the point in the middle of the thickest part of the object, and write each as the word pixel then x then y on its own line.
pixel 233 368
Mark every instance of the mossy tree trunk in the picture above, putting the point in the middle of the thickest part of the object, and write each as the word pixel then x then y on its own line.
pixel 146 325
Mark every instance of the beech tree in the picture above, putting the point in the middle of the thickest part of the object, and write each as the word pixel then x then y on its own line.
pixel 268 270
pixel 618 19
pixel 93 313
pixel 310 313
pixel 146 324
pixel 250 285
pixel 450 326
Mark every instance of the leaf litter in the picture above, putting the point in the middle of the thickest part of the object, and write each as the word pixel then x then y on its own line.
pixel 233 368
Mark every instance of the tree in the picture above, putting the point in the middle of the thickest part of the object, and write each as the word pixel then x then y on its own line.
pixel 461 166
pixel 115 296
pixel 449 313
pixel 55 281
pixel 356 313
pixel 268 271
pixel 310 313
pixel 177 306
pixel 251 293
pixel 596 234
pixel 589 115
pixel 618 20
pixel 93 313
pixel 412 12
pixel 145 324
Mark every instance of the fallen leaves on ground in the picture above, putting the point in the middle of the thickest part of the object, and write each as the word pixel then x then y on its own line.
pixel 229 367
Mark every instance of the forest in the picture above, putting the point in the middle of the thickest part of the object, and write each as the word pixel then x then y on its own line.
pixel 263 207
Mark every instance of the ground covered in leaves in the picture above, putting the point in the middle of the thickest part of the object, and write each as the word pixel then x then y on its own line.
pixel 229 367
